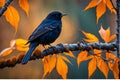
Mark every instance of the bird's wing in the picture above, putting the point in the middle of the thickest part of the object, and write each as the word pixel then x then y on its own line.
pixel 42 29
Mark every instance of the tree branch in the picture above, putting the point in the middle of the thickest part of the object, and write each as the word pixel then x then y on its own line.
pixel 118 32
pixel 4 8
pixel 60 48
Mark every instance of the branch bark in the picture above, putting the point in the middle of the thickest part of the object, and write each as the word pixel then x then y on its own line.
pixel 118 32
pixel 60 48
pixel 4 8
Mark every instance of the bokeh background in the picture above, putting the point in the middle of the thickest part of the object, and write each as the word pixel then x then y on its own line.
pixel 77 20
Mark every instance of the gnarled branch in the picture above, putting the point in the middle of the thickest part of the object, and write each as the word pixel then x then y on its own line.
pixel 60 48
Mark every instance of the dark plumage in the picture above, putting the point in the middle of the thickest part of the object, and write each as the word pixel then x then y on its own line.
pixel 46 33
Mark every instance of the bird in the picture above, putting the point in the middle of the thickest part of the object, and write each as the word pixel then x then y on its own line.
pixel 45 34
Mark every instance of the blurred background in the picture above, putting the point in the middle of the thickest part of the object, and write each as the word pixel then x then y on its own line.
pixel 77 20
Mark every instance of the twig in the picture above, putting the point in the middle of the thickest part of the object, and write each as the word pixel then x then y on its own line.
pixel 4 8
pixel 60 48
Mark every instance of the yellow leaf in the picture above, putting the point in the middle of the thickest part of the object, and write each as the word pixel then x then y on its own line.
pixel 92 66
pixel 6 51
pixel 100 10
pixel 66 59
pixel 12 16
pixel 103 67
pixel 93 3
pixel 2 2
pixel 81 57
pixel 91 37
pixel 61 67
pixel 20 45
pixel 110 6
pixel 24 5
pixel 69 54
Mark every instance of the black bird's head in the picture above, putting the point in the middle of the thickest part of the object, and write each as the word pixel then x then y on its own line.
pixel 55 15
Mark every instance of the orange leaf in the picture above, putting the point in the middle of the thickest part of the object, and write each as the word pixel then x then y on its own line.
pixel 20 45
pixel 116 69
pixel 103 67
pixel 81 57
pixel 91 37
pixel 6 51
pixel 93 3
pixel 113 65
pixel 2 2
pixel 46 65
pixel 12 16
pixel 110 6
pixel 69 54
pixel 100 10
pixel 49 64
pixel 61 67
pixel 92 66
pixel 52 62
pixel 24 5
pixel 97 52
pixel 66 59
pixel 112 37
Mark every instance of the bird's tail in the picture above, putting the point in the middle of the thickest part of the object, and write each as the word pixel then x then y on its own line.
pixel 28 54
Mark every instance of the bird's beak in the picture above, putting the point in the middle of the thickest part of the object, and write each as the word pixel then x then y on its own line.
pixel 64 14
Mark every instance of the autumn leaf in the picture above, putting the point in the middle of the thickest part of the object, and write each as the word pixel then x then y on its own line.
pixel 61 67
pixel 92 4
pixel 81 57
pixel 46 65
pixel 16 44
pixel 2 2
pixel 116 69
pixel 52 63
pixel 24 5
pixel 98 52
pixel 100 10
pixel 101 7
pixel 49 64
pixel 91 37
pixel 66 59
pixel 6 51
pixel 12 16
pixel 113 64
pixel 110 6
pixel 21 45
pixel 69 54
pixel 105 35
pixel 103 67
pixel 92 66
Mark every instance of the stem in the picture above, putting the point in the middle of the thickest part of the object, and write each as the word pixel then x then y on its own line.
pixel 118 32
pixel 4 8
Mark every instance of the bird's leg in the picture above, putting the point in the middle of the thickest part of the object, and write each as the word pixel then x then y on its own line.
pixel 44 46
pixel 50 45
